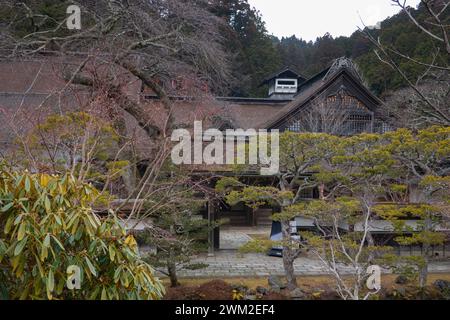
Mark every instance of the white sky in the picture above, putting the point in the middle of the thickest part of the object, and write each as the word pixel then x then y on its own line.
pixel 309 19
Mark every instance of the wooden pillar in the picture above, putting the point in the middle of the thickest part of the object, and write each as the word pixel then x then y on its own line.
pixel 211 220
pixel 216 233
pixel 249 216
pixel 372 123
pixel 254 214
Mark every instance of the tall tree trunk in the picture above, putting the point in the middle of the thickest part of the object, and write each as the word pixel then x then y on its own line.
pixel 129 173
pixel 288 264
pixel 423 274
pixel 288 257
pixel 172 270
pixel 370 243
pixel 322 191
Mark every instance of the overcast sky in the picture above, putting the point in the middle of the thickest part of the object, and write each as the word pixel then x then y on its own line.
pixel 309 19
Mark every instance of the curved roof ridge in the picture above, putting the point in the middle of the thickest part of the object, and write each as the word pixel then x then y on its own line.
pixel 340 63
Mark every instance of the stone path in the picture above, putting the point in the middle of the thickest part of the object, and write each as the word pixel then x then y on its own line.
pixel 230 263
pixel 232 238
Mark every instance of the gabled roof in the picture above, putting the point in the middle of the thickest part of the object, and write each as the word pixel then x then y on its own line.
pixel 318 84
pixel 35 80
pixel 286 72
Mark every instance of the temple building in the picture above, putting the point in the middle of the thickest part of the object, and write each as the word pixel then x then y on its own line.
pixel 334 101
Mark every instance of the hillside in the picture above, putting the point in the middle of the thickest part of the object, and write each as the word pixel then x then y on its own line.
pixel 250 53
pixel 309 58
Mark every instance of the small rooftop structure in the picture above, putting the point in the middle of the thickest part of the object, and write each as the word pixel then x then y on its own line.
pixel 283 84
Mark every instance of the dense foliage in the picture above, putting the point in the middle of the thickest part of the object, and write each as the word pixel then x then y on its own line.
pixel 254 53
pixel 259 54
pixel 47 224
pixel 178 232
pixel 400 178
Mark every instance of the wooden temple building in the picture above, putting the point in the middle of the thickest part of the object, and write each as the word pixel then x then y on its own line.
pixel 334 101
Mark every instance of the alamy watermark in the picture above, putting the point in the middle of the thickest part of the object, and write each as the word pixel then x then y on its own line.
pixel 373 282
pixel 73 277
pixel 73 21
pixel 235 146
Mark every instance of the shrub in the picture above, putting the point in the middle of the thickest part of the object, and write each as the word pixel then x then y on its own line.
pixel 47 224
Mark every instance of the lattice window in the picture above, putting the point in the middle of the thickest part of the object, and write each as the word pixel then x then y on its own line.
pixel 307 194
pixel 339 114
pixel 357 123
pixel 294 126
pixel 381 127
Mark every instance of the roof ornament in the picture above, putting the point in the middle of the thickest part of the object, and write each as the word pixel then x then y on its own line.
pixel 342 92
pixel 343 63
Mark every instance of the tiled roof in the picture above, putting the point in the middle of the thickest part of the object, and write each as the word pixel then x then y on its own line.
pixel 28 85
pixel 317 84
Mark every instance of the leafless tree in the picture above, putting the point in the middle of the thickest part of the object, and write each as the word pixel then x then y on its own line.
pixel 344 253
pixel 337 113
pixel 429 92
pixel 155 41
pixel 172 49
pixel 404 106
pixel 333 115
pixel 321 117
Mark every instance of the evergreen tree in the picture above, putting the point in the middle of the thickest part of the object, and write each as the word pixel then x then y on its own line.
pixel 255 54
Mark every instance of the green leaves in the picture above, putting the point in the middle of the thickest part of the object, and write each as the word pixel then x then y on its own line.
pixel 47 204
pixel 7 207
pixel 112 253
pixel 104 295
pixel 50 283
pixel 54 227
pixel 91 267
pixel 27 184
pixel 58 242
pixel 255 197
pixel 398 181
pixel 9 224
pixel 74 132
pixel 44 253
pixel 21 231
pixel 20 245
